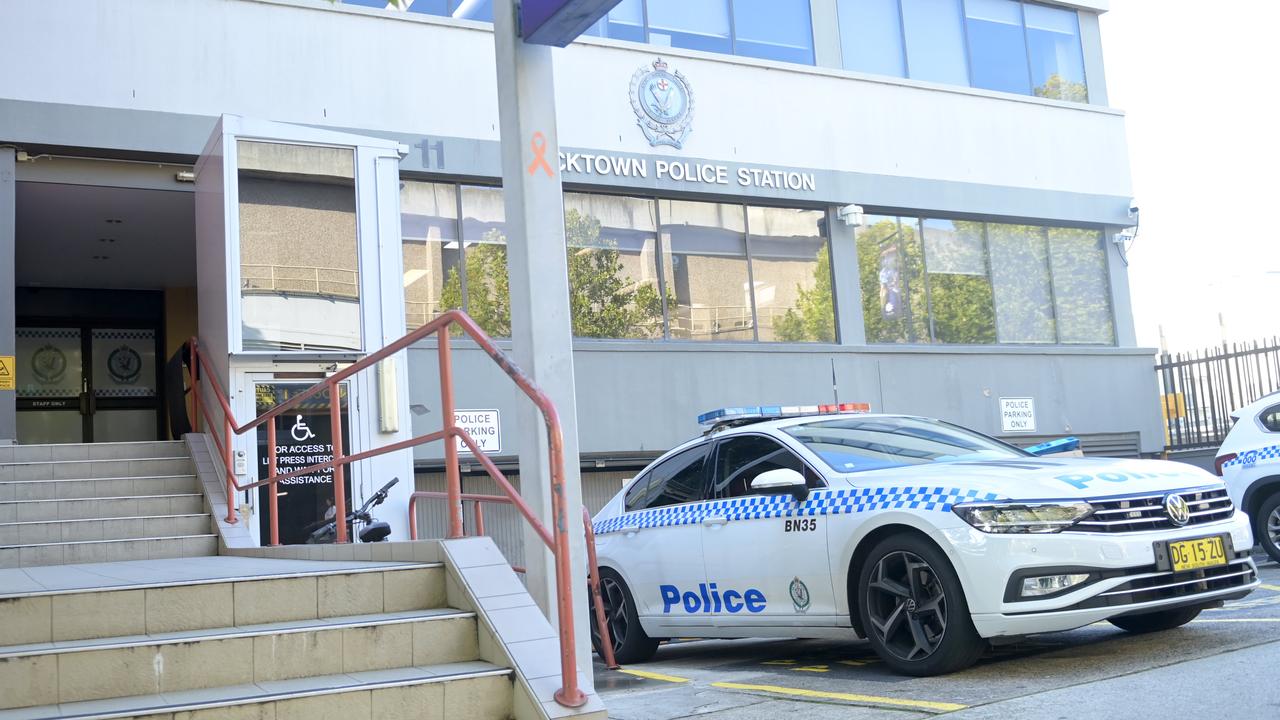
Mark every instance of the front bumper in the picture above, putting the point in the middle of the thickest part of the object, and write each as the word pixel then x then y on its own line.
pixel 1127 579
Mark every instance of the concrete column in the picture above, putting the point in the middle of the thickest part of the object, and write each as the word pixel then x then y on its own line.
pixel 826 34
pixel 1091 44
pixel 1121 301
pixel 8 295
pixel 846 282
pixel 541 331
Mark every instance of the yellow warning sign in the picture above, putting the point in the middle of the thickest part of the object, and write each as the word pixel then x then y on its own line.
pixel 7 373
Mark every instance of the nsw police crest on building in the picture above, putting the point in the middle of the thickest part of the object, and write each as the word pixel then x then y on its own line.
pixel 663 103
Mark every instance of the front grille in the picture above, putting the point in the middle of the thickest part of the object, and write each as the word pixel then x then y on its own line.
pixel 1146 512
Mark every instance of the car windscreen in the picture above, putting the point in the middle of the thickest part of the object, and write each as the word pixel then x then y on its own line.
pixel 859 444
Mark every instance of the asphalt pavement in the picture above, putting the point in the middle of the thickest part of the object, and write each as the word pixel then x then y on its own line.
pixel 1224 664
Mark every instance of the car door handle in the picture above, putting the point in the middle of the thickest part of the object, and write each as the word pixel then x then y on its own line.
pixel 715 520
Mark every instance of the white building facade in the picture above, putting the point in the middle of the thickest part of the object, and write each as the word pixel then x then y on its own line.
pixel 905 203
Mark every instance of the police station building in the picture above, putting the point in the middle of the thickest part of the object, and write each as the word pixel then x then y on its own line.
pixel 911 204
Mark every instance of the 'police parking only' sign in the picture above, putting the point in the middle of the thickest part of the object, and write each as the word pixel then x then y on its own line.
pixel 482 426
pixel 1018 414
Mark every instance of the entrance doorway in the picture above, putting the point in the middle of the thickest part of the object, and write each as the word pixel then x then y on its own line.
pixel 82 379
pixel 105 274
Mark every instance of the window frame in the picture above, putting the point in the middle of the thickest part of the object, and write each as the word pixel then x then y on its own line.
pixel 646 477
pixel 920 219
pixel 714 461
pixel 1262 424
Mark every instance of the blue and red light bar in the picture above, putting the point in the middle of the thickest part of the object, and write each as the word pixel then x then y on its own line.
pixel 776 412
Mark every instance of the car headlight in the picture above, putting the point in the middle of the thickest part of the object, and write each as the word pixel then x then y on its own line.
pixel 1023 517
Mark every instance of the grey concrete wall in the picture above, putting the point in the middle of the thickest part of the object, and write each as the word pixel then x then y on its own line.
pixel 642 397
pixel 8 225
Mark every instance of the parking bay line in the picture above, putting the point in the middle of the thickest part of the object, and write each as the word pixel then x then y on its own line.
pixel 1270 587
pixel 870 699
pixel 654 676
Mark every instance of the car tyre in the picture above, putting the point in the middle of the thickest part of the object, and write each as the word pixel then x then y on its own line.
pixel 1155 621
pixel 913 609
pixel 1266 526
pixel 630 643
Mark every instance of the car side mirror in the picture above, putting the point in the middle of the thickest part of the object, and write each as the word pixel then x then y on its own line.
pixel 783 481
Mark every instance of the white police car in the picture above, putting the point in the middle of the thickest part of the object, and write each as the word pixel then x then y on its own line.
pixel 926 538
pixel 1249 462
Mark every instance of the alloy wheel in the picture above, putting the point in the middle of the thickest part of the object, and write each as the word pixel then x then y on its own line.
pixel 1273 526
pixel 615 613
pixel 907 606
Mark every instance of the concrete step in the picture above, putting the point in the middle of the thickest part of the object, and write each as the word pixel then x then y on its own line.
pixel 94 551
pixel 96 469
pixel 92 451
pixel 82 508
pixel 66 672
pixel 45 531
pixel 109 487
pixel 163 607
pixel 457 691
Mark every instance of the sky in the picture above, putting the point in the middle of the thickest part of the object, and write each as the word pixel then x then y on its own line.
pixel 1195 82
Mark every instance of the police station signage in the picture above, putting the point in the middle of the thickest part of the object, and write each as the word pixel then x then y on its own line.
pixel 616 166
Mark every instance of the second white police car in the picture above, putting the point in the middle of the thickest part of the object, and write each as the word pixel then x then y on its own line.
pixel 929 540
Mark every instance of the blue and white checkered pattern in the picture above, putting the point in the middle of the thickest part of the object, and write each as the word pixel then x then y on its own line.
pixel 820 502
pixel 1253 457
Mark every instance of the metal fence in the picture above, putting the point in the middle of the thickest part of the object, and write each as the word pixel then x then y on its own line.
pixel 1199 390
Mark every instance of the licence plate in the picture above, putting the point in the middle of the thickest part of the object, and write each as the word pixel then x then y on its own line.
pixel 1197 553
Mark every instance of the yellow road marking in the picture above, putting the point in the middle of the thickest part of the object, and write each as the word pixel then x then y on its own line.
pixel 778 662
pixel 1270 587
pixel 812 668
pixel 799 692
pixel 855 663
pixel 654 676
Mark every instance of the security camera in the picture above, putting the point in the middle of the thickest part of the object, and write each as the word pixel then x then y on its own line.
pixel 851 215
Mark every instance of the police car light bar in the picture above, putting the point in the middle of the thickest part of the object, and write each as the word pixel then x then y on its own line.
pixel 1052 447
pixel 757 413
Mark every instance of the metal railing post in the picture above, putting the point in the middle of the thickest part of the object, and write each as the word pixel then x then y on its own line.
pixel 593 585
pixel 479 519
pixel 453 477
pixel 569 695
pixel 231 469
pixel 273 493
pixel 194 349
pixel 339 479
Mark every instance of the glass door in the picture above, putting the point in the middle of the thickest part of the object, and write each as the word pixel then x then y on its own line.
pixel 303 437
pixel 53 398
pixel 80 384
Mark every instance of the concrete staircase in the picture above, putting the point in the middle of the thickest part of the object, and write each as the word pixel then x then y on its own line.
pixel 100 503
pixel 374 641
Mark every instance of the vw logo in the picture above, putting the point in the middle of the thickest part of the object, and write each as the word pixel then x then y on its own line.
pixel 1176 508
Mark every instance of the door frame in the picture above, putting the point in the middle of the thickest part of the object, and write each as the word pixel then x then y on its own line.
pixel 86 325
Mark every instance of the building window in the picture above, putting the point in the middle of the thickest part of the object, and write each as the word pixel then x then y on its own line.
pixel 871 36
pixel 779 30
pixel 997 45
pixel 1005 45
pixel 927 280
pixel 934 38
pixel 1053 47
pixel 705 268
pixel 791 274
pixel 773 30
pixel 708 271
pixel 1081 291
pixel 299 271
pixel 430 248
pixel 614 290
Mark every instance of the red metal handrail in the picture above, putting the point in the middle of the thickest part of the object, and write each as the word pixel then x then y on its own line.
pixel 557 539
pixel 589 535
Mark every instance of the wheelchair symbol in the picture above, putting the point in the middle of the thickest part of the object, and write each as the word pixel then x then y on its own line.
pixel 300 431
